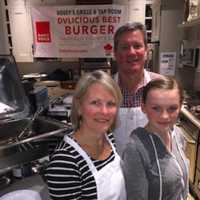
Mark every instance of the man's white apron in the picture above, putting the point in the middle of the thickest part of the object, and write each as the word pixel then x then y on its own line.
pixel 128 120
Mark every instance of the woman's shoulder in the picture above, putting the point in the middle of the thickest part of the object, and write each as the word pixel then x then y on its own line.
pixel 65 151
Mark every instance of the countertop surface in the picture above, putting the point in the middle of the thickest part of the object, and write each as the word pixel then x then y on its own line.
pixel 34 182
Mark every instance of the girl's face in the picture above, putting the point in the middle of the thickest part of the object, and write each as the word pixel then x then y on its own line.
pixel 162 108
pixel 98 110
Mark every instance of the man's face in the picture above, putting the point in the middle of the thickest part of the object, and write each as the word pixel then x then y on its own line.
pixel 130 53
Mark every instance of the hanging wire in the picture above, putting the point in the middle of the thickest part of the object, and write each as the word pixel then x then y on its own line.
pixel 26 132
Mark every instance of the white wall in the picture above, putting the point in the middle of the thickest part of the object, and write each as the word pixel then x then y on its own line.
pixel 21 25
pixel 21 30
pixel 171 17
pixel 3 35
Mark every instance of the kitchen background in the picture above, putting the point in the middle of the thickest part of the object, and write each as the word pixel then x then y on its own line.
pixel 173 31
pixel 166 31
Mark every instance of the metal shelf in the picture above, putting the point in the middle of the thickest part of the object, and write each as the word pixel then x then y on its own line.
pixel 190 24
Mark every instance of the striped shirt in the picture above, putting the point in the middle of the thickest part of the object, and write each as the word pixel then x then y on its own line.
pixel 68 175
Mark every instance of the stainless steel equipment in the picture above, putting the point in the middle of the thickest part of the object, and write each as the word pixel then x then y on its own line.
pixel 190 129
pixel 190 124
pixel 60 108
pixel 24 136
pixel 90 64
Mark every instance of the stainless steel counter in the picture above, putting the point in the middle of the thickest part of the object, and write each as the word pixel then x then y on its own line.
pixel 190 116
pixel 190 125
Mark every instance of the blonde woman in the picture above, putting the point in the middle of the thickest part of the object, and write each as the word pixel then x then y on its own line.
pixel 86 165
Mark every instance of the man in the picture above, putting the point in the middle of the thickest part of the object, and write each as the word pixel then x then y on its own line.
pixel 130 50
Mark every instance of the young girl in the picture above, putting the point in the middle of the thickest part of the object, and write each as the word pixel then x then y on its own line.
pixel 155 166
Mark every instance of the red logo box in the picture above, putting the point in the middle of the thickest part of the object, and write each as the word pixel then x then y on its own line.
pixel 43 31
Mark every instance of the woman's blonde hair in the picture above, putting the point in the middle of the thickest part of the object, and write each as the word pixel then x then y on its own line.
pixel 84 84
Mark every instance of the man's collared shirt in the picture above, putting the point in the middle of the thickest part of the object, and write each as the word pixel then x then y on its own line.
pixel 131 99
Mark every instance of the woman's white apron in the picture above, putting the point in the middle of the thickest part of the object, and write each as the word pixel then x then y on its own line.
pixel 109 180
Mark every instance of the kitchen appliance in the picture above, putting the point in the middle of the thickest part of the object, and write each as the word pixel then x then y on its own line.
pixel 190 124
pixel 60 108
pixel 24 136
pixel 91 64
pixel 38 98
pixel 191 133
pixel 189 56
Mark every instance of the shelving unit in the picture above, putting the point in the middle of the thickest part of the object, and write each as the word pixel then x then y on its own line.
pixel 148 21
pixel 7 21
pixel 189 24
pixel 191 29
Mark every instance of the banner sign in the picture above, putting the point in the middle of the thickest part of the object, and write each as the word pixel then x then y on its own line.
pixel 76 31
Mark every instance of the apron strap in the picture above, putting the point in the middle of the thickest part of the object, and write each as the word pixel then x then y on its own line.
pixel 111 144
pixel 84 154
pixel 81 152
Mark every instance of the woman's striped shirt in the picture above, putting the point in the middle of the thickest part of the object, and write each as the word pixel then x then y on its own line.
pixel 68 175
